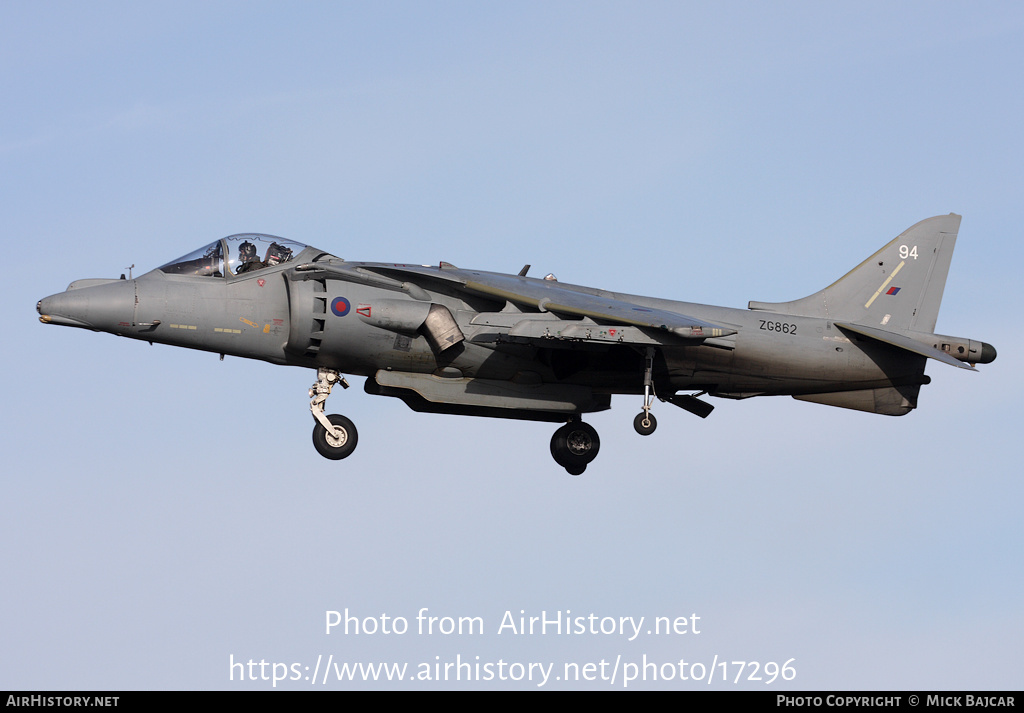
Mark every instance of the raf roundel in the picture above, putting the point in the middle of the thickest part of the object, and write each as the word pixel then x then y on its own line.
pixel 340 306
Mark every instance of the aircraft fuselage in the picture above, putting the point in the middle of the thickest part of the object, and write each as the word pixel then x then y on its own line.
pixel 316 323
pixel 446 340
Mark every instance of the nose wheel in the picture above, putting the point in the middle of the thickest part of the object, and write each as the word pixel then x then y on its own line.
pixel 337 443
pixel 574 446
pixel 334 436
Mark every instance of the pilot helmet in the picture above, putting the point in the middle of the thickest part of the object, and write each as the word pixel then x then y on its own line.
pixel 247 251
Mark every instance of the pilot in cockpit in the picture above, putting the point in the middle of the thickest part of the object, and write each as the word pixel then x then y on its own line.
pixel 248 257
pixel 276 254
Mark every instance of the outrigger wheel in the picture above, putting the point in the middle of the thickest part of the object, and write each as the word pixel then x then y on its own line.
pixel 575 445
pixel 645 423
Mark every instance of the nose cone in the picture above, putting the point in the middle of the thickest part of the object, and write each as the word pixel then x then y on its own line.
pixel 106 306
pixel 65 308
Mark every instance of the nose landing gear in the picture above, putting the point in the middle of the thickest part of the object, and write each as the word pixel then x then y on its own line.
pixel 334 436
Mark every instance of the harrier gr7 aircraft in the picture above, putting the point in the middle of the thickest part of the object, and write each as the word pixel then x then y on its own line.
pixel 447 340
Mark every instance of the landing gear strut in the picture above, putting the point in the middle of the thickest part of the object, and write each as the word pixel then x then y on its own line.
pixel 574 445
pixel 334 436
pixel 645 423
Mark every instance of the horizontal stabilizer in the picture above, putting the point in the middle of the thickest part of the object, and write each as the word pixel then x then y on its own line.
pixel 903 342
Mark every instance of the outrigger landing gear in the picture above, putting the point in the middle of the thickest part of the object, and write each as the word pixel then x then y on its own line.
pixel 575 445
pixel 645 423
pixel 334 436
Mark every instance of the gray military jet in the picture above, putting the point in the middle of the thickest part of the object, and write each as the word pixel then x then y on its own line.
pixel 447 340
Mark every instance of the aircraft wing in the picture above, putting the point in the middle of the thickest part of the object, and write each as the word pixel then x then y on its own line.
pixel 559 299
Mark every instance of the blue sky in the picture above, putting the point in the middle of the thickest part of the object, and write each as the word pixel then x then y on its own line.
pixel 165 511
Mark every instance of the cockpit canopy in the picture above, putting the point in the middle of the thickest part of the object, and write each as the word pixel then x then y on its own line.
pixel 235 255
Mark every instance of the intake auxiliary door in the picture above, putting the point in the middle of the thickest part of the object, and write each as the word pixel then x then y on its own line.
pixel 307 305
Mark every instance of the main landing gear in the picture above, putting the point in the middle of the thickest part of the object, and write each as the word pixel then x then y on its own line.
pixel 334 436
pixel 574 445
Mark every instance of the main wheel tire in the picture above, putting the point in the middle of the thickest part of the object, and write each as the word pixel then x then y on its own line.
pixel 340 443
pixel 575 444
pixel 645 423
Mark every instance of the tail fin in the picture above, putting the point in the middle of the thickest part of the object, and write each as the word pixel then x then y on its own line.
pixel 899 287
